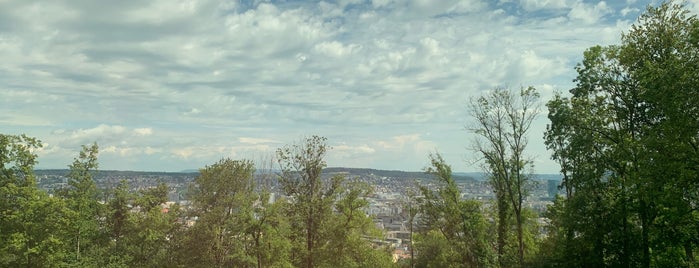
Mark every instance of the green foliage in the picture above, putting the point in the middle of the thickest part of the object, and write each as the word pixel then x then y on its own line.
pixel 149 228
pixel 327 221
pixel 626 141
pixel 86 211
pixel 31 222
pixel 230 223
pixel 454 231
pixel 347 229
pixel 435 250
pixel 502 122
pixel 312 199
pixel 235 226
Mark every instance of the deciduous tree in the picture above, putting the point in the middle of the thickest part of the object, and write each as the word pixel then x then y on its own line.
pixel 502 122
pixel 82 198
pixel 32 224
pixel 626 140
pixel 328 224
pixel 454 231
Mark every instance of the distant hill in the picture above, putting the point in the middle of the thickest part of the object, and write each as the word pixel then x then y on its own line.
pixel 390 173
pixel 113 173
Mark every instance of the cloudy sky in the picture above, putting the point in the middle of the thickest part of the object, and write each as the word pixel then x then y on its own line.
pixel 168 85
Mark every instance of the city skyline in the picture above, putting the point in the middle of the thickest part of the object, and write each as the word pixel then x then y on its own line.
pixel 177 85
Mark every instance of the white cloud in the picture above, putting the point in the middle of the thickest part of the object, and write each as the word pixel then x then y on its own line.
pixel 361 149
pixel 150 150
pixel 163 10
pixel 381 3
pixel 588 13
pixel 143 131
pixel 625 11
pixel 336 49
pixel 411 141
pixel 532 5
pixel 166 83
pixel 533 66
pixel 183 153
pixel 98 132
pixel 250 140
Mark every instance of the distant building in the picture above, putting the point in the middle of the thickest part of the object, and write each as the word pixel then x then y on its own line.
pixel 552 186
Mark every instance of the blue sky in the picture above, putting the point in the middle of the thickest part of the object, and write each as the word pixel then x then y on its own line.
pixel 167 85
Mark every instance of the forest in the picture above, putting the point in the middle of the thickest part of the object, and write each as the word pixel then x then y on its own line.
pixel 626 137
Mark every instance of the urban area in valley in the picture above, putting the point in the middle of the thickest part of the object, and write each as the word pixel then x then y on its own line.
pixel 388 204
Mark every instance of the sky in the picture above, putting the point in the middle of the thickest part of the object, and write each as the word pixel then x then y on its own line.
pixel 170 85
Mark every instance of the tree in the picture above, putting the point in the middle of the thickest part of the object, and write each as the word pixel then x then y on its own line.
pixel 301 168
pixel 326 216
pixel 626 140
pixel 661 55
pixel 118 226
pixel 454 231
pixel 502 122
pixel 411 209
pixel 222 203
pixel 584 178
pixel 31 222
pixel 269 229
pixel 346 244
pixel 82 198
pixel 150 227
pixel 235 224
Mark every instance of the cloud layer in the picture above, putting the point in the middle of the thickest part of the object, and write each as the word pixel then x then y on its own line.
pixel 172 85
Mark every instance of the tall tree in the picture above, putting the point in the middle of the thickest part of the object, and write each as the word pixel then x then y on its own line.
pixel 236 225
pixel 83 200
pixel 661 55
pixel 502 122
pixel 626 140
pixel 31 222
pixel 221 199
pixel 328 223
pixel 301 168
pixel 410 210
pixel 118 211
pixel 454 232
pixel 150 228
pixel 345 234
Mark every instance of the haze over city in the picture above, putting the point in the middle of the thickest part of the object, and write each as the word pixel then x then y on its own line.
pixel 177 85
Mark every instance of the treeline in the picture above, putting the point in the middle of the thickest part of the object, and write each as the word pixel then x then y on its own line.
pixel 626 138
pixel 230 223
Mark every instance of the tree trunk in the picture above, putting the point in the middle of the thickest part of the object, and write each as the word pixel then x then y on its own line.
pixel 78 250
pixel 645 262
pixel 259 254
pixel 502 230
pixel 309 240
pixel 518 214
pixel 688 250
